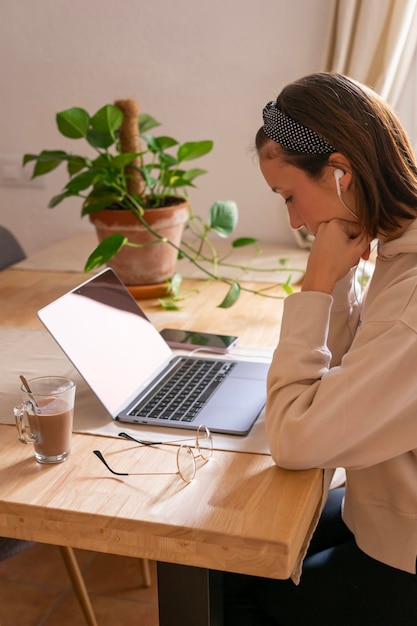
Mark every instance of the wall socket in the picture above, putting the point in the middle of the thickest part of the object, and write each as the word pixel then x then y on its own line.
pixel 13 174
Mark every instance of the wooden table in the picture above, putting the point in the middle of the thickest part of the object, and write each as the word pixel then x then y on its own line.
pixel 241 513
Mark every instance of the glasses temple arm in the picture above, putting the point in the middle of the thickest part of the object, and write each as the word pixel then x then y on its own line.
pixel 103 460
pixel 157 443
pixel 143 443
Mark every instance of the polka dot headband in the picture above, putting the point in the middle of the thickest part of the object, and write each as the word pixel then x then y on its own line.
pixel 292 135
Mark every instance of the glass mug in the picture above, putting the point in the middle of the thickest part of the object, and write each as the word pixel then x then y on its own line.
pixel 45 417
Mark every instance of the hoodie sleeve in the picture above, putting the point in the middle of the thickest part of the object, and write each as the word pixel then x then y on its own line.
pixel 344 316
pixel 304 394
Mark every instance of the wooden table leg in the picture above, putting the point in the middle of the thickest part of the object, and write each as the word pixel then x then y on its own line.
pixel 78 584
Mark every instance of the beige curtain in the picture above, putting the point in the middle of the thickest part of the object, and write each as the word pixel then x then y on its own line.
pixel 373 41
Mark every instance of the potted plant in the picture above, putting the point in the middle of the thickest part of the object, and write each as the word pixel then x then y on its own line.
pixel 134 189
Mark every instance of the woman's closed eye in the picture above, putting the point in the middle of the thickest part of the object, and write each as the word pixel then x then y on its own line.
pixel 287 199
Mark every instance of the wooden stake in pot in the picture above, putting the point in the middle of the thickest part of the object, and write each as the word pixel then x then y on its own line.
pixel 130 142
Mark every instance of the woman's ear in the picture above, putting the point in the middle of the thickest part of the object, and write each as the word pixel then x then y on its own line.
pixel 342 170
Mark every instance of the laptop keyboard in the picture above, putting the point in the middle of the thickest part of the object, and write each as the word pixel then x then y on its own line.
pixel 183 395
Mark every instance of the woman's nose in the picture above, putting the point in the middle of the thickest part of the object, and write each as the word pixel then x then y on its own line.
pixel 295 221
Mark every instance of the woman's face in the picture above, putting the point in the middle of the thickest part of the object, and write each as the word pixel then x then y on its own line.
pixel 309 202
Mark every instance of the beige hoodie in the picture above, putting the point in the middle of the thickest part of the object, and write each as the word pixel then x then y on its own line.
pixel 342 392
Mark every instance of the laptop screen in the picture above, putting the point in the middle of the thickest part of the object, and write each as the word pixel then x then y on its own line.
pixel 108 338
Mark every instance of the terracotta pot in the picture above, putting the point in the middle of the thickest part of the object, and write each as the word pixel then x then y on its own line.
pixel 153 264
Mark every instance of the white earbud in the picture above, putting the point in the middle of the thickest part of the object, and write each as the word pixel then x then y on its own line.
pixel 338 174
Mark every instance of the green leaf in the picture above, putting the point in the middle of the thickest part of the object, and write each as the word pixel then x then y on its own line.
pixel 100 140
pixel 106 178
pixel 105 251
pixel 27 158
pixel 150 181
pixel 146 122
pixel 166 160
pixel 96 204
pixel 231 296
pixel 100 199
pixel 53 202
pixel 287 286
pixel 243 241
pixel 108 119
pixel 173 178
pixel 102 161
pixel 169 304
pixel 46 161
pixel 121 160
pixel 193 150
pixel 189 175
pixel 73 123
pixel 81 182
pixel 157 145
pixel 76 164
pixel 104 125
pixel 223 216
pixel 175 284
pixel 163 143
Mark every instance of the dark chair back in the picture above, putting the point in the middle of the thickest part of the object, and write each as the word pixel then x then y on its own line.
pixel 11 547
pixel 10 249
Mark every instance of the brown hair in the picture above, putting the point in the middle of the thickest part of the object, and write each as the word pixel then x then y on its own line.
pixel 363 127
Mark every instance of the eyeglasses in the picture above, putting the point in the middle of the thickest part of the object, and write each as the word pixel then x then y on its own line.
pixel 185 457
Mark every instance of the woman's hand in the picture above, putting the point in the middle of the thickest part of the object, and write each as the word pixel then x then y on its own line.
pixel 338 246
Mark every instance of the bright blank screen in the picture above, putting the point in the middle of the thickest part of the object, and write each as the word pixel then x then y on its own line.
pixel 108 338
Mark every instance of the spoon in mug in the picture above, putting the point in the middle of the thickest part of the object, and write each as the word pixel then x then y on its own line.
pixel 29 392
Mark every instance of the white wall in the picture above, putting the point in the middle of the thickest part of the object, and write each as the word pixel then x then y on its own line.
pixel 204 68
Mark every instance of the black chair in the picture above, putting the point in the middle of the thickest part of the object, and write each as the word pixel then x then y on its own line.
pixel 10 249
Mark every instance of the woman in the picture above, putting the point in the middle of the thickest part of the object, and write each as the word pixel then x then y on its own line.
pixel 342 388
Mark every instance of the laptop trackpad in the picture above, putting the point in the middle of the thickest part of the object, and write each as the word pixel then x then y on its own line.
pixel 231 411
pixel 230 393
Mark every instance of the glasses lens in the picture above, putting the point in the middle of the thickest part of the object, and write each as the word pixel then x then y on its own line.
pixel 204 442
pixel 186 463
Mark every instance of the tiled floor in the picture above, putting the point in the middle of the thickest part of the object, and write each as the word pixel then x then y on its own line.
pixel 35 590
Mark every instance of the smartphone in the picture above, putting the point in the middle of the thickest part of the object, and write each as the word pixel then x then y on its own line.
pixel 190 340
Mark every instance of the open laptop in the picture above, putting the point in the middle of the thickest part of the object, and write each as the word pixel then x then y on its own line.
pixel 127 364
